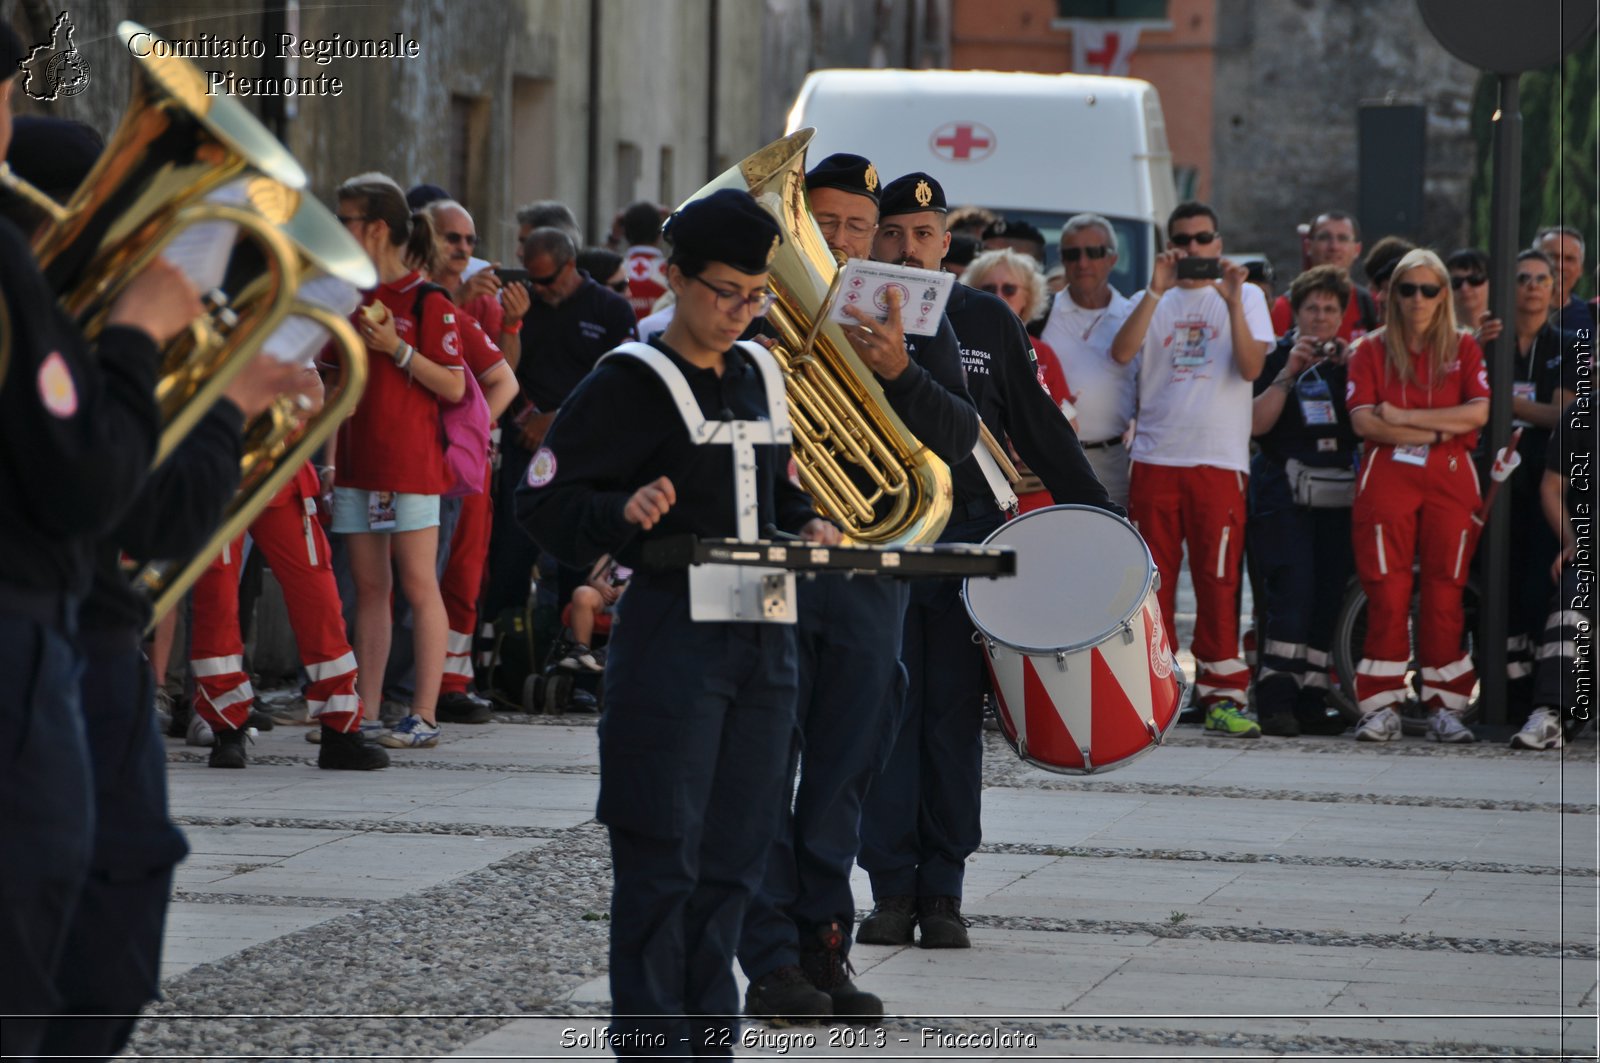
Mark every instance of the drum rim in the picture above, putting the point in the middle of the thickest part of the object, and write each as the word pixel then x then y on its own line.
pixel 1051 651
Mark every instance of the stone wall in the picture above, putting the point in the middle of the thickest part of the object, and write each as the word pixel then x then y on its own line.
pixel 1290 77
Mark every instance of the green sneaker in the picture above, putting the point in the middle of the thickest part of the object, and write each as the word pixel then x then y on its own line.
pixel 1227 717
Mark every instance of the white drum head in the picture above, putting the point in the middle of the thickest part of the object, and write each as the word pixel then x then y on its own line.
pixel 1081 572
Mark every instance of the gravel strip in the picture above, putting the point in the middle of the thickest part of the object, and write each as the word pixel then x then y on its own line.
pixel 514 938
pixel 1286 859
pixel 377 826
pixel 1262 935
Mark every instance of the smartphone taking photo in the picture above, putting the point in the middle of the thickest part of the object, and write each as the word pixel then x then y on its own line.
pixel 1195 268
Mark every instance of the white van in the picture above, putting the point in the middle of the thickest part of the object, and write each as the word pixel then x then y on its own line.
pixel 1034 147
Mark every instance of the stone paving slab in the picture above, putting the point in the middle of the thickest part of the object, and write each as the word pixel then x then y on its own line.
pixel 205 933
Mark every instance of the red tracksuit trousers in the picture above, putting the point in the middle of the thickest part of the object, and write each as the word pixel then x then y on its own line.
pixel 1423 513
pixel 1203 506
pixel 462 583
pixel 291 538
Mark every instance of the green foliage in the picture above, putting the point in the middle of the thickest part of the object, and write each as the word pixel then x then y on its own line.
pixel 1560 138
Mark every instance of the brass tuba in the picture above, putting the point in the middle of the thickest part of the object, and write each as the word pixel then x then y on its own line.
pixel 326 263
pixel 173 150
pixel 837 409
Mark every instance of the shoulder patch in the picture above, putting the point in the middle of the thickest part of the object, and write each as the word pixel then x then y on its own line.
pixel 452 344
pixel 56 389
pixel 542 468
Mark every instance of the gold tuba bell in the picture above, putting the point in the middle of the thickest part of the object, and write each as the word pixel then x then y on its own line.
pixel 837 409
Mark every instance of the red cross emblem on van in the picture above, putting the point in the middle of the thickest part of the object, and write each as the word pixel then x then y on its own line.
pixel 962 141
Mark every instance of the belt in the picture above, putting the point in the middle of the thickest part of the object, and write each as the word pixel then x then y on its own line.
pixel 1114 441
pixel 978 507
pixel 53 608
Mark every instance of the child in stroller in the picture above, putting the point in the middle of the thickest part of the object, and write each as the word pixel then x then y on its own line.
pixel 577 659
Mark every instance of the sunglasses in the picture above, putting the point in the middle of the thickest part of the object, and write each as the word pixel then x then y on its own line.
pixel 1007 290
pixel 1538 280
pixel 462 238
pixel 1072 254
pixel 1477 280
pixel 547 280
pixel 1408 290
pixel 1203 239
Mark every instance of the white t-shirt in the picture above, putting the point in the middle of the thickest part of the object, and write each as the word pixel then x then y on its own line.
pixel 1104 392
pixel 1194 407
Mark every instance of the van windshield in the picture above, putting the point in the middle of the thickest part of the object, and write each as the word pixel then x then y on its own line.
pixel 1132 271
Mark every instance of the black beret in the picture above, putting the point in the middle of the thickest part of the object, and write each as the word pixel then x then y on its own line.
pixel 1014 230
pixel 53 154
pixel 727 226
pixel 911 194
pixel 421 195
pixel 847 173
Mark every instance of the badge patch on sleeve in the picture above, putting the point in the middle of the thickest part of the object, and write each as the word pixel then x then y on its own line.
pixel 452 345
pixel 542 469
pixel 56 389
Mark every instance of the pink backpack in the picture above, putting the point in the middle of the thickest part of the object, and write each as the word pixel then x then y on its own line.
pixel 464 424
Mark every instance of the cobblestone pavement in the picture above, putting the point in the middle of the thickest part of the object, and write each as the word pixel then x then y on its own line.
pixel 1217 898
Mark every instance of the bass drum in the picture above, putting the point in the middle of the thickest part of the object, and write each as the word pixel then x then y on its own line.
pixel 1084 675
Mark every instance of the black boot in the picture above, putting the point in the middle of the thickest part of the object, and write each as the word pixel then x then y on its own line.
pixel 349 752
pixel 890 923
pixel 228 751
pixel 825 961
pixel 785 996
pixel 942 925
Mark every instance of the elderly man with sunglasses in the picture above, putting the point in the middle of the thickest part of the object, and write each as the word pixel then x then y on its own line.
pixel 1084 318
pixel 1200 343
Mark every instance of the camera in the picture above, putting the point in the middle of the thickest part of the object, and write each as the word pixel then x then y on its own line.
pixel 1196 268
pixel 1325 349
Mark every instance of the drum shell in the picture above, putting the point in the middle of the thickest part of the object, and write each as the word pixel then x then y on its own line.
pixel 1095 705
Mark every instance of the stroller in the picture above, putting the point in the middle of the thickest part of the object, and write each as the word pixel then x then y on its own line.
pixel 573 675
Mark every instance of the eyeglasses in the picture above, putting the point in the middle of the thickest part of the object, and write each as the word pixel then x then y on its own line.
pixel 1538 280
pixel 549 279
pixel 830 225
pixel 1334 238
pixel 731 302
pixel 462 238
pixel 351 219
pixel 1007 290
pixel 1072 254
pixel 1203 239
pixel 1477 280
pixel 1408 290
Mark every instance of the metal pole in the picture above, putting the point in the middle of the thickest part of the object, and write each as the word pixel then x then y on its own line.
pixel 591 222
pixel 713 86
pixel 1502 256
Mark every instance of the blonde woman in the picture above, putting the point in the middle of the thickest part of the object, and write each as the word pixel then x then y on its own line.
pixel 1016 279
pixel 1417 395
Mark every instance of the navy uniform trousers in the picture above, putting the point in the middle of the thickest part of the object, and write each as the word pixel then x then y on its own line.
pixel 111 960
pixel 852 686
pixel 1301 559
pixel 695 734
pixel 46 818
pixel 922 816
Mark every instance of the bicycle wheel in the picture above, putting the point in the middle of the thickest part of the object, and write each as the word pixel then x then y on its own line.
pixel 1350 635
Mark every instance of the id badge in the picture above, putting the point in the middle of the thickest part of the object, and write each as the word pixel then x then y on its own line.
pixel 1316 403
pixel 381 510
pixel 1417 455
pixel 1524 389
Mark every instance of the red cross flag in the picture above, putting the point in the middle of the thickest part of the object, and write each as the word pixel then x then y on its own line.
pixel 1103 47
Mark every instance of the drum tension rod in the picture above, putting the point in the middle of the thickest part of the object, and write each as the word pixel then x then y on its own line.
pixel 1061 660
pixel 1127 633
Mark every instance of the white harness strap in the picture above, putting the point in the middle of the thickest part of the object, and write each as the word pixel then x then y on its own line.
pixel 729 592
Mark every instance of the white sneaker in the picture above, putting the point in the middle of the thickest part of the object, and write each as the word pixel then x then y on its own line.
pixel 1446 726
pixel 1542 731
pixel 581 659
pixel 199 733
pixel 1379 725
